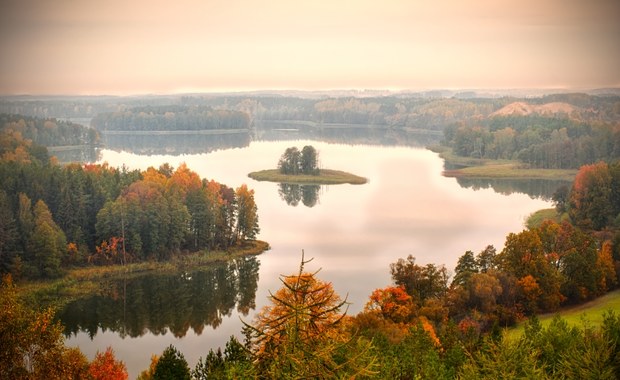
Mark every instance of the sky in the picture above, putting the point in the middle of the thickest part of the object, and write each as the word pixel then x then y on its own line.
pixel 124 47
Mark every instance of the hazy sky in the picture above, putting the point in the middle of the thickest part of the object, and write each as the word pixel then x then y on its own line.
pixel 152 46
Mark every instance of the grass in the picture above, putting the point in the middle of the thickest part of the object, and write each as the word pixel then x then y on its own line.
pixel 81 282
pixel 591 313
pixel 488 168
pixel 537 217
pixel 511 170
pixel 326 177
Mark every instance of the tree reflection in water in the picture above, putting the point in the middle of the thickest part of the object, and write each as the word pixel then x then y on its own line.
pixel 293 193
pixel 157 303
pixel 535 188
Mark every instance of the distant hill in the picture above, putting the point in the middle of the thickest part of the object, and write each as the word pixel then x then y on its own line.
pixel 547 109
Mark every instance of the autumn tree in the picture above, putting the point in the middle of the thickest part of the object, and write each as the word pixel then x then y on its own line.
pixel 147 374
pixel 247 214
pixel 33 343
pixel 48 243
pixel 484 290
pixel 182 180
pixel 153 222
pixel 105 367
pixel 591 197
pixel 575 254
pixel 524 257
pixel 392 303
pixel 605 267
pixel 301 334
pixel 420 282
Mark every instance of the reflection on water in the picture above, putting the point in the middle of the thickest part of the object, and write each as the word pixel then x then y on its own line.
pixel 186 142
pixel 292 193
pixel 157 303
pixel 174 143
pixel 535 188
pixel 78 153
pixel 345 134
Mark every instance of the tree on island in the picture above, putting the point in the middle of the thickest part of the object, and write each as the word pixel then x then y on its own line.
pixel 294 162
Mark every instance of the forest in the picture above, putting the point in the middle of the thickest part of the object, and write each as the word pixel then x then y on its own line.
pixel 538 141
pixel 44 131
pixel 170 118
pixel 426 110
pixel 56 217
pixel 552 131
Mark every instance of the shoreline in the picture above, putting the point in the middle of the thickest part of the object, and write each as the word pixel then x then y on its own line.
pixel 83 281
pixel 484 168
pixel 326 177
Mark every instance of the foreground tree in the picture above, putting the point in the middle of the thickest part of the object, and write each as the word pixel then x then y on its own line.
pixel 557 351
pixel 105 367
pixel 302 334
pixel 32 343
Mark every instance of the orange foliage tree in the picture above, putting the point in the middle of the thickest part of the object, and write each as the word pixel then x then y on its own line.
pixel 303 335
pixel 392 303
pixel 590 198
pixel 105 367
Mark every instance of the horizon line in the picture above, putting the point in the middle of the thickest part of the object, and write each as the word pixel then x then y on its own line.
pixel 391 91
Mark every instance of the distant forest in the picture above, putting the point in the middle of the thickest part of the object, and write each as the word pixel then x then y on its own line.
pixel 171 118
pixel 553 131
pixel 540 141
pixel 421 111
pixel 47 131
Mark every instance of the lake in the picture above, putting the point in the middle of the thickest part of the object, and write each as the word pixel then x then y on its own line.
pixel 352 232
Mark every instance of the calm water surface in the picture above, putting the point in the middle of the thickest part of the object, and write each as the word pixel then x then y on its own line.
pixel 353 232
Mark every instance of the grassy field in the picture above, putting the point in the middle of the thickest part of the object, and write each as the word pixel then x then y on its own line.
pixel 487 168
pixel 591 312
pixel 537 217
pixel 80 282
pixel 326 177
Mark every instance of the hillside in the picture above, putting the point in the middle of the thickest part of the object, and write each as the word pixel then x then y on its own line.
pixel 547 109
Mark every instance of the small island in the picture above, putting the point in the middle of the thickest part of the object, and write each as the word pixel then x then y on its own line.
pixel 301 167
